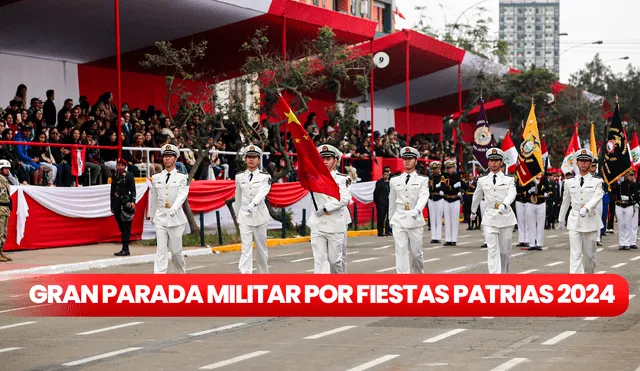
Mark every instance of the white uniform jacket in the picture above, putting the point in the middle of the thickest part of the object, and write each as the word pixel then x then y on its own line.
pixel 333 221
pixel 588 196
pixel 174 192
pixel 252 191
pixel 410 195
pixel 503 192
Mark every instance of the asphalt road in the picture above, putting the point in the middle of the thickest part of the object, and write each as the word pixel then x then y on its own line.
pixel 340 343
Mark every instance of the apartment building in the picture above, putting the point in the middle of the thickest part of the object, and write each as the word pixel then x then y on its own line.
pixel 380 11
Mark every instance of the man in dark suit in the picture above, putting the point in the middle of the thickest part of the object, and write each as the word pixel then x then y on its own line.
pixel 123 202
pixel 381 199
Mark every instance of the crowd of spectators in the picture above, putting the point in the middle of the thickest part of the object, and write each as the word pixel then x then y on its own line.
pixel 94 123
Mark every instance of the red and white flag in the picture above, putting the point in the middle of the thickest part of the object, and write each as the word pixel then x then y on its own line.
pixel 77 161
pixel 510 153
pixel 635 150
pixel 545 154
pixel 569 163
pixel 397 12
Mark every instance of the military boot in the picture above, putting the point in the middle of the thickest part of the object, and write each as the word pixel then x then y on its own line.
pixel 6 258
pixel 3 259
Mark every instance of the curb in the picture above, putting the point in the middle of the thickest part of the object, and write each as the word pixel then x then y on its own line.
pixel 94 264
pixel 288 241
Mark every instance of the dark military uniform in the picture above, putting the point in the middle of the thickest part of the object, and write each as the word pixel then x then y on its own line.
pixel 521 203
pixel 5 210
pixel 626 194
pixel 123 192
pixel 468 187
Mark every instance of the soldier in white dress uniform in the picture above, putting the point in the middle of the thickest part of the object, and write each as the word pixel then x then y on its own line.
pixel 499 192
pixel 327 224
pixel 583 192
pixel 408 195
pixel 169 190
pixel 252 187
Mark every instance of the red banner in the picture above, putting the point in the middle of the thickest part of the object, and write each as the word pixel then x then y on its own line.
pixel 307 295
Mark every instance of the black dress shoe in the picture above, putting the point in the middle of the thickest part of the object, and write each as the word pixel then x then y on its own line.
pixel 538 248
pixel 436 241
pixel 484 246
pixel 623 248
pixel 453 243
pixel 521 244
pixel 531 248
pixel 599 243
pixel 633 247
pixel 433 241
pixel 122 253
pixel 447 243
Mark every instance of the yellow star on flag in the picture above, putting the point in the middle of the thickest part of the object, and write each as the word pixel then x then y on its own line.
pixel 291 117
pixel 297 140
pixel 306 137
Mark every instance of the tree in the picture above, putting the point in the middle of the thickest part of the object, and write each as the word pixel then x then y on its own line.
pixel 322 65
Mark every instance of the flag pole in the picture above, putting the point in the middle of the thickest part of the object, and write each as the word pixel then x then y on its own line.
pixel 314 200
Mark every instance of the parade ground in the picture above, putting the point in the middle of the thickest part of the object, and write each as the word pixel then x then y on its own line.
pixel 329 343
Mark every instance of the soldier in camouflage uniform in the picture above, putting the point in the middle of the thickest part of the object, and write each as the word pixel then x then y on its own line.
pixel 5 205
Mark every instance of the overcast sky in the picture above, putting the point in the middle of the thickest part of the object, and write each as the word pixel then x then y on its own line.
pixel 615 22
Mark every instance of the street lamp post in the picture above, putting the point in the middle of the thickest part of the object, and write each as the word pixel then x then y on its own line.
pixel 599 42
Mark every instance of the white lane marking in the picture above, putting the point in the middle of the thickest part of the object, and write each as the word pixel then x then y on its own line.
pixel 631 296
pixel 513 347
pixel 9 349
pixel 590 318
pixel 218 329
pixel 109 328
pixel 309 270
pixel 375 362
pixel 461 253
pixel 364 260
pixel 556 339
pixel 385 270
pixel 301 259
pixel 382 247
pixel 445 335
pixel 234 360
pixel 21 308
pixel 529 271
pixel 363 243
pixel 632 259
pixel 19 295
pixel 255 269
pixel 330 332
pixel 101 356
pixel 616 245
pixel 288 254
pixel 518 254
pixel 351 252
pixel 552 236
pixel 464 236
pixel 554 264
pixel 431 260
pixel 17 325
pixel 618 265
pixel 599 249
pixel 561 244
pixel 463 243
pixel 454 269
pixel 510 364
pixel 601 272
pixel 197 267
pixel 487 317
pixel 432 248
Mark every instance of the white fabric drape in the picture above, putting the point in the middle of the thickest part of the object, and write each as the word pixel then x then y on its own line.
pixel 363 192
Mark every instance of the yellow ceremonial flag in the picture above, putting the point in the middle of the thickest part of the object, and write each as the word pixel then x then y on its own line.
pixel 592 141
pixel 530 158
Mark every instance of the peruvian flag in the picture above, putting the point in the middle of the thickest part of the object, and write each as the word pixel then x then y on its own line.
pixel 569 163
pixel 77 161
pixel 510 153
pixel 635 150
pixel 397 12
pixel 545 154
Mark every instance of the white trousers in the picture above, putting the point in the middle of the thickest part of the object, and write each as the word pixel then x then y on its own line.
pixel 249 235
pixel 169 237
pixel 535 215
pixel 498 248
pixel 451 220
pixel 634 228
pixel 522 222
pixel 327 252
pixel 582 247
pixel 625 225
pixel 436 212
pixel 599 210
pixel 408 243
pixel 344 254
pixel 483 207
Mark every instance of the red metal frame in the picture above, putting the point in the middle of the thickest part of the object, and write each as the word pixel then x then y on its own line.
pixel 119 78
pixel 406 87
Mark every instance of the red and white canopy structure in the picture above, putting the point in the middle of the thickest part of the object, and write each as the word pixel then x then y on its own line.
pixel 425 80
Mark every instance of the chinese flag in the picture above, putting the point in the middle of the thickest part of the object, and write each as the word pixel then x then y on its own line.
pixel 312 172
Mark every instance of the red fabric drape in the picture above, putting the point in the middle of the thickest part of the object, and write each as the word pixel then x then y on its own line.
pixel 46 229
pixel 285 194
pixel 209 195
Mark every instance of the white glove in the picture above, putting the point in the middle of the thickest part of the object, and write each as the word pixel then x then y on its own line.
pixel 531 190
pixel 636 207
pixel 438 185
pixel 473 216
pixel 320 211
pixel 457 185
pixel 502 209
pixel 250 207
pixel 441 193
pixel 583 212
pixel 561 225
pixel 459 194
pixel 172 212
pixel 546 195
pixel 536 181
pixel 415 213
pixel 624 198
